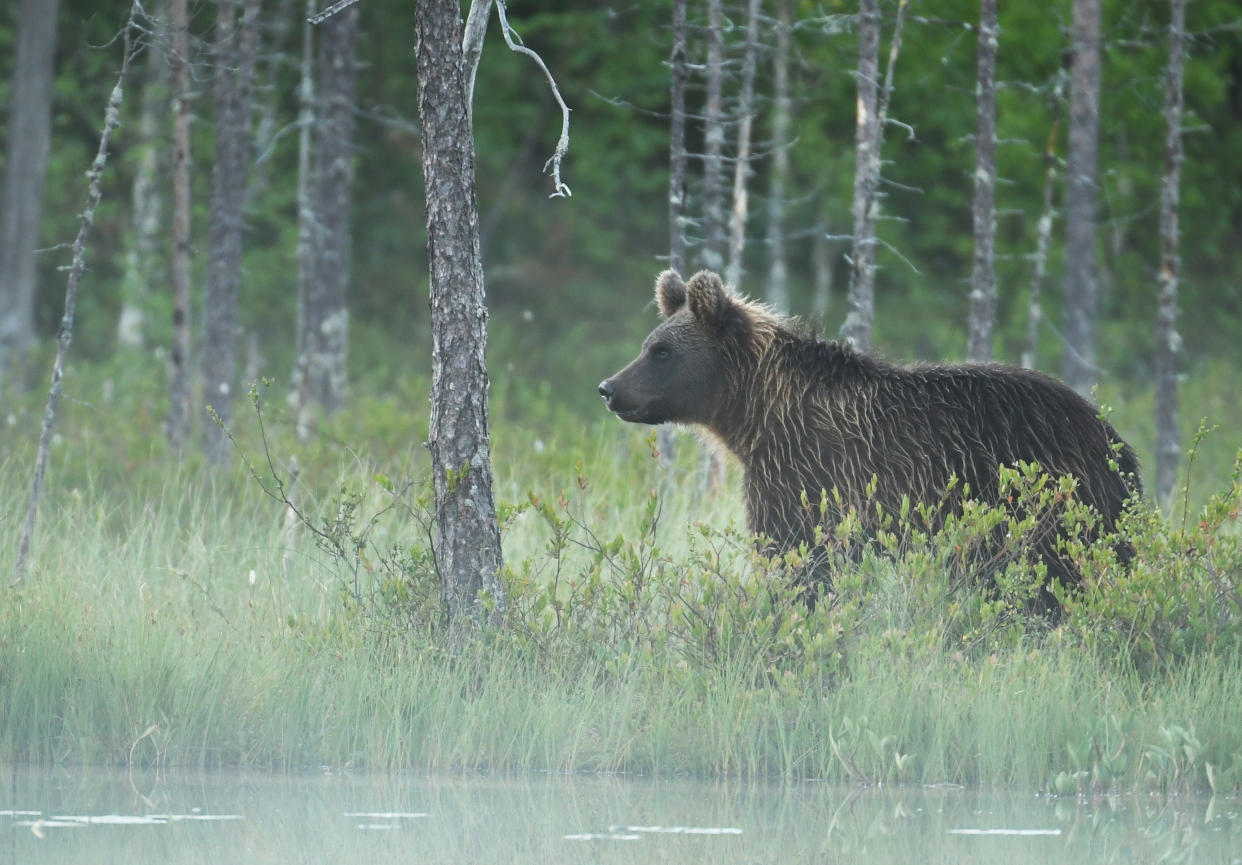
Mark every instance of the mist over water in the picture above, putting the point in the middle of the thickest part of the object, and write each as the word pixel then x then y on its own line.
pixel 224 817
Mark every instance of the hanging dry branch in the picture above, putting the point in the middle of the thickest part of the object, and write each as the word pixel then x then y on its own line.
pixel 553 165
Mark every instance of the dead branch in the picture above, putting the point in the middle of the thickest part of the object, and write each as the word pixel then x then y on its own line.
pixel 553 165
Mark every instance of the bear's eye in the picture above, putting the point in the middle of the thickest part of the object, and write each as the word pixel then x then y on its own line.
pixel 660 352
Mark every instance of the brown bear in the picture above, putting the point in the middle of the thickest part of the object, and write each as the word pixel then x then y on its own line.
pixel 805 415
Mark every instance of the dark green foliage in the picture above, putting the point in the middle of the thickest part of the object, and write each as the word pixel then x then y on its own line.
pixel 558 271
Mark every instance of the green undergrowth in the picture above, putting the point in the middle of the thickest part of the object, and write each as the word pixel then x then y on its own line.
pixel 171 618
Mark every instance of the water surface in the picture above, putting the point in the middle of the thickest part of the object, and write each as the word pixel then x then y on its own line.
pixel 225 817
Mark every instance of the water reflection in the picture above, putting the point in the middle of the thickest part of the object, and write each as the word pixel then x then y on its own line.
pixel 225 817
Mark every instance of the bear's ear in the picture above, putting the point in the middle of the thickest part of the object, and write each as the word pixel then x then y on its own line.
pixel 707 298
pixel 670 292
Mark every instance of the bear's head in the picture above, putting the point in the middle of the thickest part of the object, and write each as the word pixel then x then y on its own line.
pixel 680 374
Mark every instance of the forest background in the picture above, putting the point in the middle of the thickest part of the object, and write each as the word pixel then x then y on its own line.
pixel 567 278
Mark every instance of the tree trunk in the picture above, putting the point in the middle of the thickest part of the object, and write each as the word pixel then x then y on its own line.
pixel 677 141
pixel 1043 231
pixel 235 56
pixel 741 163
pixel 308 231
pixel 466 534
pixel 778 278
pixel 94 177
pixel 144 264
pixel 983 279
pixel 177 424
pixel 666 435
pixel 268 114
pixel 860 314
pixel 713 138
pixel 25 167
pixel 821 266
pixel 711 469
pixel 1168 341
pixel 325 318
pixel 1081 301
pixel 472 45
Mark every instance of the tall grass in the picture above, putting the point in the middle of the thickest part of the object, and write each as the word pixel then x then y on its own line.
pixel 171 618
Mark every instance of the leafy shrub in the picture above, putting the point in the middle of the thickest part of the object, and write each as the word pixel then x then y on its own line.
pixel 1181 595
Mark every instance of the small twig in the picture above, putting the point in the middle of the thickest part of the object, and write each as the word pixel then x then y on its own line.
pixel 553 165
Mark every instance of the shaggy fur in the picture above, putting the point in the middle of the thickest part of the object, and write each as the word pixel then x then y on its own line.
pixel 802 414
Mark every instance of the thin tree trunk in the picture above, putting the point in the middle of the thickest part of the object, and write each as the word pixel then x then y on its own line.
pixel 335 174
pixel 666 435
pixel 472 44
pixel 869 141
pixel 177 424
pixel 467 537
pixel 1081 300
pixel 236 47
pixel 144 264
pixel 1168 341
pixel 983 279
pixel 711 469
pixel 677 141
pixel 712 254
pixel 324 228
pixel 778 277
pixel 308 231
pixel 741 164
pixel 1043 231
pixel 25 168
pixel 112 119
pixel 821 265
pixel 267 109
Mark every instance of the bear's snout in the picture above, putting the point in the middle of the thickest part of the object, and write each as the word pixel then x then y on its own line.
pixel 606 390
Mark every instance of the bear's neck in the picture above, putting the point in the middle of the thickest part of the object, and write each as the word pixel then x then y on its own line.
pixel 770 388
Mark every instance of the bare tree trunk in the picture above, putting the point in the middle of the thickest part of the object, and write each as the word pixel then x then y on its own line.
pixel 144 264
pixel 472 44
pixel 1168 341
pixel 177 424
pixel 713 138
pixel 235 54
pixel 821 265
pixel 869 141
pixel 1082 193
pixel 25 168
pixel 308 231
pixel 741 164
pixel 983 280
pixel 1043 231
pixel 666 435
pixel 267 111
pixel 325 318
pixel 778 277
pixel 467 537
pixel 112 119
pixel 711 469
pixel 677 141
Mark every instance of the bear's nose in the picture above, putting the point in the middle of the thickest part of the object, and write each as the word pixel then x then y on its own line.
pixel 605 389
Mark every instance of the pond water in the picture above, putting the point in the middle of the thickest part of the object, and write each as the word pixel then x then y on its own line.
pixel 223 818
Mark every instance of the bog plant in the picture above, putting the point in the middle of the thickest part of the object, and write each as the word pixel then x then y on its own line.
pixel 637 636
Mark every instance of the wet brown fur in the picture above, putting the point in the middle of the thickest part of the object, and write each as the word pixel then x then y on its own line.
pixel 804 414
